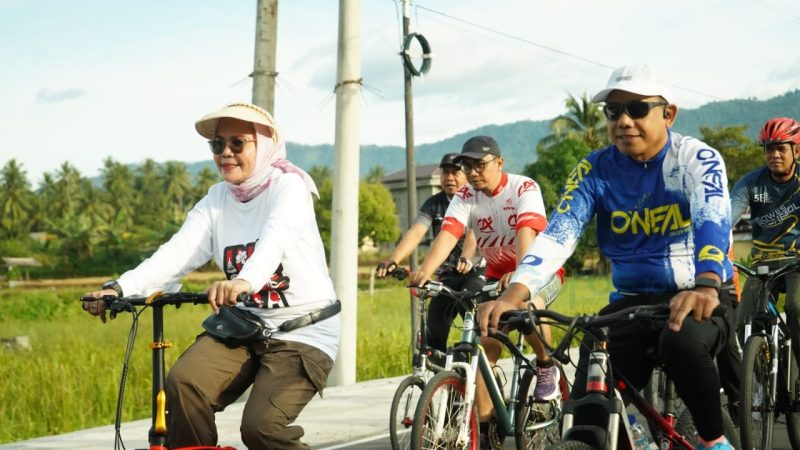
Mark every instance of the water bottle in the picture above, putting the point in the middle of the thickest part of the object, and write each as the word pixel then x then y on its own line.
pixel 640 441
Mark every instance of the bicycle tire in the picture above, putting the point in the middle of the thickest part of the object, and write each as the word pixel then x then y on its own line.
pixel 757 417
pixel 449 387
pixel 401 415
pixel 529 413
pixel 793 400
pixel 571 445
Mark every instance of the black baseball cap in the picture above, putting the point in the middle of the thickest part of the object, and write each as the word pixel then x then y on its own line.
pixel 449 159
pixel 477 147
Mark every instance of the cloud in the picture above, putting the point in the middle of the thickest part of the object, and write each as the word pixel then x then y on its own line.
pixel 48 96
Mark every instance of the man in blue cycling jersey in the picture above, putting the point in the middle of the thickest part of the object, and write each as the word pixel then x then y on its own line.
pixel 663 220
pixel 772 193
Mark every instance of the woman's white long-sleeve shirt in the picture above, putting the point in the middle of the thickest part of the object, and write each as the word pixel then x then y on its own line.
pixel 272 242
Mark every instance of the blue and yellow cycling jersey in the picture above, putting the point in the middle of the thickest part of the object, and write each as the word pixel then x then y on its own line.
pixel 774 211
pixel 659 222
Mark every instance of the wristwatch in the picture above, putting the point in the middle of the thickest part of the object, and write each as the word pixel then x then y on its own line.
pixel 113 285
pixel 707 282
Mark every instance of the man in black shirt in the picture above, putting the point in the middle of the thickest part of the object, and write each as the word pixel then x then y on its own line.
pixel 457 272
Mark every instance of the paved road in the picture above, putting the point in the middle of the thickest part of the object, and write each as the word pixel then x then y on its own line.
pixel 348 417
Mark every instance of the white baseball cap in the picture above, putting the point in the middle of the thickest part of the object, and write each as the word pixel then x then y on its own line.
pixel 638 79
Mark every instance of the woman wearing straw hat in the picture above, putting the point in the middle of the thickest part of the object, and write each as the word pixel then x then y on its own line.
pixel 258 226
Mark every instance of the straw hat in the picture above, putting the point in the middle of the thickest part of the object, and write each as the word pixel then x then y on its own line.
pixel 207 125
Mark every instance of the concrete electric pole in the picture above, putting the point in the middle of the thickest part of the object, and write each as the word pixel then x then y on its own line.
pixel 264 72
pixel 344 237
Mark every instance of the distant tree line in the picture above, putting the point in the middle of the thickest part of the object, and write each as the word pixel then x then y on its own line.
pixel 77 226
pixel 87 227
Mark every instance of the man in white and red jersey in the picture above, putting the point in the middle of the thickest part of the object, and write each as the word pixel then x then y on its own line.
pixel 506 212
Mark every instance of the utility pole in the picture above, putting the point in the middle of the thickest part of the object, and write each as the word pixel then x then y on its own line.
pixel 344 236
pixel 411 165
pixel 264 72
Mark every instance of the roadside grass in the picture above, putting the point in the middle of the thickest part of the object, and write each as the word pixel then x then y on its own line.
pixel 69 380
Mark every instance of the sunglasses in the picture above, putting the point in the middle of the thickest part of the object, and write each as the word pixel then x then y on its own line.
pixel 634 110
pixel 236 144
pixel 479 166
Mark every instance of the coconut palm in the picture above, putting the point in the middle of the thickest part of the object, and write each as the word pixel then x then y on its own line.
pixel 15 200
pixel 584 121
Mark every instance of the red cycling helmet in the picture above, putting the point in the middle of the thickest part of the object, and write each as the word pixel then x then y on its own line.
pixel 779 130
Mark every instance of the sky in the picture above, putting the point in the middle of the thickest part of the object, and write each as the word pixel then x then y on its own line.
pixel 88 80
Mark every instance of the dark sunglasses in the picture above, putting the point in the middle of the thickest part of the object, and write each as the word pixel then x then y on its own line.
pixel 635 109
pixel 236 144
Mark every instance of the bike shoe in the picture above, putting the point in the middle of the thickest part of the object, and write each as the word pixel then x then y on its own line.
pixel 724 445
pixel 547 384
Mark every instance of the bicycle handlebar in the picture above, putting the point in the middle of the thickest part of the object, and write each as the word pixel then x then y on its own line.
pixel 489 292
pixel 526 320
pixel 116 304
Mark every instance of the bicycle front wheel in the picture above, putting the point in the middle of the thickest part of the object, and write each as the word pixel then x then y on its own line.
pixel 537 424
pixel 401 416
pixel 757 416
pixel 440 414
pixel 789 366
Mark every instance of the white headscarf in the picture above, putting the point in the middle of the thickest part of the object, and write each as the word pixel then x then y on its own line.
pixel 270 155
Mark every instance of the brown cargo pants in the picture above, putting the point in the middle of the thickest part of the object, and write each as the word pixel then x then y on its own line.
pixel 210 375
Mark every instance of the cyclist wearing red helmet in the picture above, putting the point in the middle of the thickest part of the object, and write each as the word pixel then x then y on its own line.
pixel 772 193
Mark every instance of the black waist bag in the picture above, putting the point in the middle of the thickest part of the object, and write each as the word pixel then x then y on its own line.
pixel 236 326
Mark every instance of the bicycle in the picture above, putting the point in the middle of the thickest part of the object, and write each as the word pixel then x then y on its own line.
pixel 770 383
pixel 660 392
pixel 157 435
pixel 446 416
pixel 406 396
pixel 596 420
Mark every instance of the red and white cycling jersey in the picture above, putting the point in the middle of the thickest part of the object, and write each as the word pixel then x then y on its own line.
pixel 515 203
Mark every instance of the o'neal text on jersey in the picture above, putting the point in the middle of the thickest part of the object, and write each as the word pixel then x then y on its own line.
pixel 663 219
pixel 712 177
pixel 574 180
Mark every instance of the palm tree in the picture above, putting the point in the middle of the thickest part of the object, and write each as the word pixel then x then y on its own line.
pixel 584 121
pixel 177 188
pixel 206 178
pixel 15 200
pixel 119 189
pixel 68 181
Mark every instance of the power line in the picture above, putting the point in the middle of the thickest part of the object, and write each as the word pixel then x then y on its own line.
pixel 775 9
pixel 517 38
pixel 548 48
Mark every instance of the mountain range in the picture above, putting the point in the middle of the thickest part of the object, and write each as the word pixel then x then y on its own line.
pixel 518 140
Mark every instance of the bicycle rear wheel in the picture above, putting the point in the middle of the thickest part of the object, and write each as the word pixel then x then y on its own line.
pixel 528 432
pixel 401 417
pixel 437 420
pixel 757 416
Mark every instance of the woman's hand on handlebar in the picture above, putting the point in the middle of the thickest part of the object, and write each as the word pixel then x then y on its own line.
pixel 225 292
pixel 700 304
pixel 97 307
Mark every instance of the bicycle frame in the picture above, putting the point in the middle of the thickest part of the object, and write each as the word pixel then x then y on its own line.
pixel 157 435
pixel 765 322
pixel 422 351
pixel 503 410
